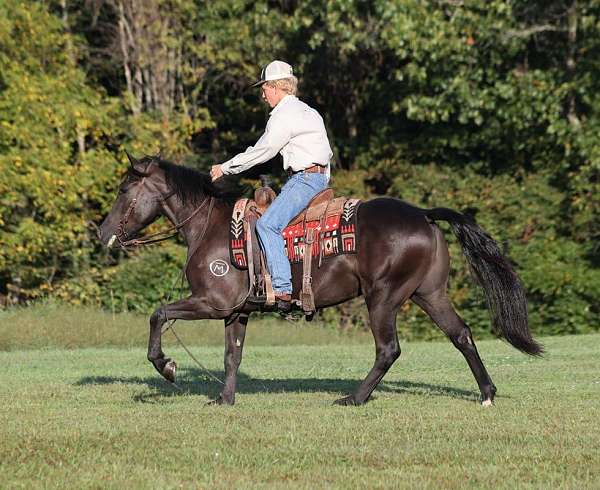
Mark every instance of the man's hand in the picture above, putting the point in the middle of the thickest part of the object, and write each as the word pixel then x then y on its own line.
pixel 216 172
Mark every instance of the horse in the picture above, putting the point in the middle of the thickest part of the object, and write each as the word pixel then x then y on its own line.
pixel 401 255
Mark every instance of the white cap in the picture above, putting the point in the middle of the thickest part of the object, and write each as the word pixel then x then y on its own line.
pixel 276 70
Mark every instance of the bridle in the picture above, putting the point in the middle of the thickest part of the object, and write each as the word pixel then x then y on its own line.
pixel 159 236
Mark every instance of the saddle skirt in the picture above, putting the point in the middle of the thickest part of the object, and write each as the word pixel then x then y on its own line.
pixel 329 221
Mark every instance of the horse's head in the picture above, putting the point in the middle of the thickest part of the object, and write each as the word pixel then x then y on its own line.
pixel 138 201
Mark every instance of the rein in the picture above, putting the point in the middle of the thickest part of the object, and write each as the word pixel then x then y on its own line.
pixel 159 236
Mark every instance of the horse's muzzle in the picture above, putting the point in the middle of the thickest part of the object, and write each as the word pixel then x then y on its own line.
pixel 111 241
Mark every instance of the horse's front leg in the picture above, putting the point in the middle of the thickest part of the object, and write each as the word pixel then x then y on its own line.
pixel 186 309
pixel 235 333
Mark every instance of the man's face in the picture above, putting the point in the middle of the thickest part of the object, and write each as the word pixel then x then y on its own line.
pixel 271 95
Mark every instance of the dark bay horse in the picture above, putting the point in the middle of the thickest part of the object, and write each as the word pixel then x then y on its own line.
pixel 401 255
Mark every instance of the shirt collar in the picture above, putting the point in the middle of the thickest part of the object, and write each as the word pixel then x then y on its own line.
pixel 282 102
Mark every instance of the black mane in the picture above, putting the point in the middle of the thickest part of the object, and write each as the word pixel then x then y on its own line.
pixel 192 186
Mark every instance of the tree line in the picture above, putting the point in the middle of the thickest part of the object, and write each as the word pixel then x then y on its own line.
pixel 490 107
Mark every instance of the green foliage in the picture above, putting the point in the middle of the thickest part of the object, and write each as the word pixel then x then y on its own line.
pixel 148 278
pixel 60 142
pixel 145 281
pixel 492 106
pixel 54 165
pixel 523 214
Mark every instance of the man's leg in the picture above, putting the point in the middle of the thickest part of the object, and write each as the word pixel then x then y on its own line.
pixel 293 198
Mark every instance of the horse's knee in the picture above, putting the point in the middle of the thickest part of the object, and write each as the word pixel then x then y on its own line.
pixel 158 317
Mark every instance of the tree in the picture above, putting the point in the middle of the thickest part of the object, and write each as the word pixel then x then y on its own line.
pixel 55 166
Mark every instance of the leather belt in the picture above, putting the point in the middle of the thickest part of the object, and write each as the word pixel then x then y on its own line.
pixel 314 169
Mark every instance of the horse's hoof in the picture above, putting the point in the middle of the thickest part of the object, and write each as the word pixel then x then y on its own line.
pixel 220 401
pixel 169 371
pixel 216 401
pixel 347 401
pixel 487 403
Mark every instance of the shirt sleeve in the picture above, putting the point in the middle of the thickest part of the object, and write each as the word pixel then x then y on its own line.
pixel 277 134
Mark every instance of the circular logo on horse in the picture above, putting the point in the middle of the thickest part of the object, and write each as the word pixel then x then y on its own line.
pixel 218 268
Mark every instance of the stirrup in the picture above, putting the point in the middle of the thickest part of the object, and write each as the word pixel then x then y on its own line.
pixel 257 300
pixel 280 306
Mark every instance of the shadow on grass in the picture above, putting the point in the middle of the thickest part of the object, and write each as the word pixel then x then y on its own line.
pixel 196 382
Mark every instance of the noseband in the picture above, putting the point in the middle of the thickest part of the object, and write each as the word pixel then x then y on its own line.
pixel 159 236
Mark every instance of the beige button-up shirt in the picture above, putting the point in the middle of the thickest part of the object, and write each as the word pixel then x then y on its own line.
pixel 295 130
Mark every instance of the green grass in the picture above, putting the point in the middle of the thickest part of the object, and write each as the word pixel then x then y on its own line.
pixel 100 417
pixel 59 326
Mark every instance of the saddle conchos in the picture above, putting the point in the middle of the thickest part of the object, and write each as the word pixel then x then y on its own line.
pixel 326 228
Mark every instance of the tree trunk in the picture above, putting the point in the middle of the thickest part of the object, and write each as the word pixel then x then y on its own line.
pixel 124 36
pixel 572 63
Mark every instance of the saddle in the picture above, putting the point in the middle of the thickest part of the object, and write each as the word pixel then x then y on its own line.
pixel 325 228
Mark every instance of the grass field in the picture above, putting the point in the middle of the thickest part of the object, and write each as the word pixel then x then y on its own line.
pixel 98 416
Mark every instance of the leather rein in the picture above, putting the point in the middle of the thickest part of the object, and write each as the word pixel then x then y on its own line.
pixel 162 235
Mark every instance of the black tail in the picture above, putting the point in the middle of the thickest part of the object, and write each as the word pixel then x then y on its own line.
pixel 503 290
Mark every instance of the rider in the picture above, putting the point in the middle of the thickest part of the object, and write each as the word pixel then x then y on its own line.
pixel 297 132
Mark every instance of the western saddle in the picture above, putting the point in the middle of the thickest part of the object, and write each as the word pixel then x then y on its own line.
pixel 323 205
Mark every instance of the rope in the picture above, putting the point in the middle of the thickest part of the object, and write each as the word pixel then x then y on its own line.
pixel 151 239
pixel 192 355
pixel 171 322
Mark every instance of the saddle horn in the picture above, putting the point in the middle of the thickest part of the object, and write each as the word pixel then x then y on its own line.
pixel 264 196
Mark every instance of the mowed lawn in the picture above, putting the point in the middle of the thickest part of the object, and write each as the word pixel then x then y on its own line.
pixel 100 417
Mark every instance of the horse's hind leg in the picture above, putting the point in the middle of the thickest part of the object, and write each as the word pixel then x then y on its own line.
pixel 382 319
pixel 235 332
pixel 185 309
pixel 438 307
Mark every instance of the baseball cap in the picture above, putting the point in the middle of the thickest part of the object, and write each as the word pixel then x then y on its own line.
pixel 276 70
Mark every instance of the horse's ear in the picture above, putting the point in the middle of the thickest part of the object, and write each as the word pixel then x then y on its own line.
pixel 136 165
pixel 132 160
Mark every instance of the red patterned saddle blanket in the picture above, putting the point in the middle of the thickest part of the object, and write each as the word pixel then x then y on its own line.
pixel 331 223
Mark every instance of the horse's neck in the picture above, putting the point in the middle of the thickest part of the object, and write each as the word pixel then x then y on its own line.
pixel 196 219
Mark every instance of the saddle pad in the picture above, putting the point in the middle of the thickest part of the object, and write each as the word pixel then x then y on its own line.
pixel 237 237
pixel 334 234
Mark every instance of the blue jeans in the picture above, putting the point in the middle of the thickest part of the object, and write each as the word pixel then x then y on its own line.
pixel 293 198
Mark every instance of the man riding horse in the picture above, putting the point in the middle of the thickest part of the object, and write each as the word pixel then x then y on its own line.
pixel 400 255
pixel 297 132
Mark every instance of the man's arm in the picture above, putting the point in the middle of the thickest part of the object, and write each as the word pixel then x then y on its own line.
pixel 276 136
